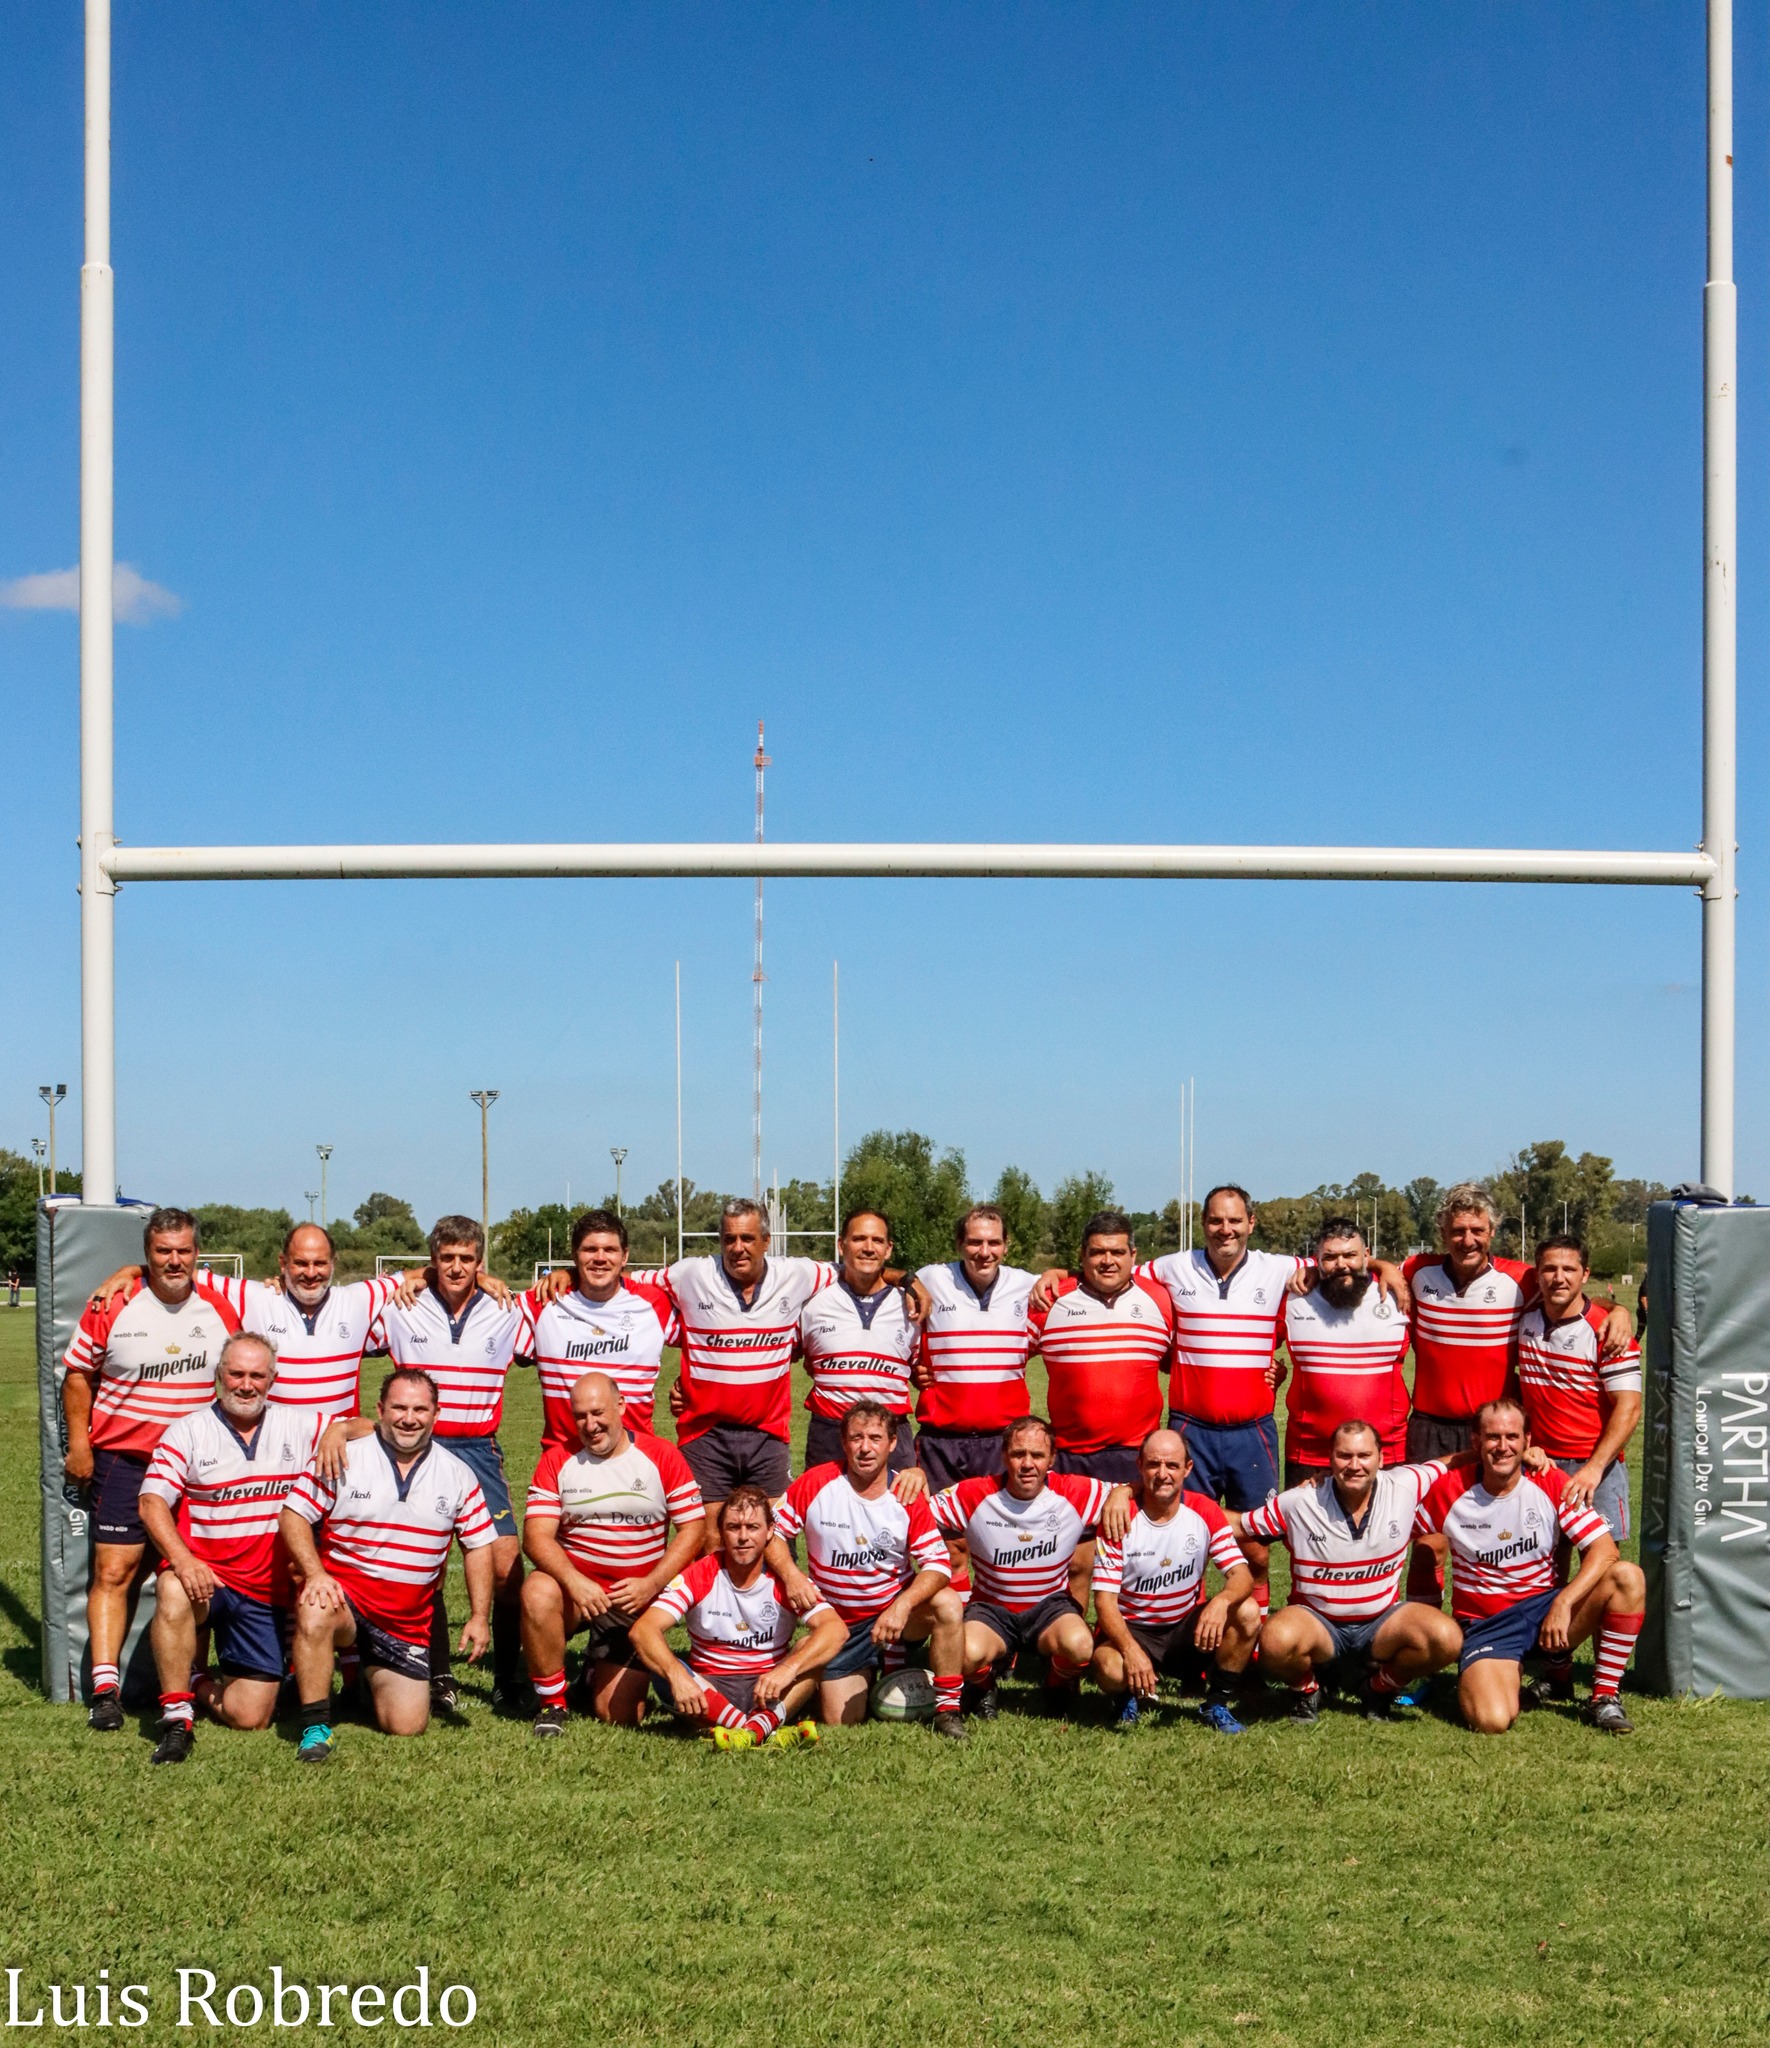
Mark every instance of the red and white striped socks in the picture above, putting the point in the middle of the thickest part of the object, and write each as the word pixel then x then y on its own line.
pixel 104 1678
pixel 1617 1635
pixel 1061 1670
pixel 550 1691
pixel 947 1692
pixel 178 1706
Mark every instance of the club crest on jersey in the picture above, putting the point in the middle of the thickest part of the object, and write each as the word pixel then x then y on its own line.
pixel 288 1454
pixel 1488 1295
pixel 442 1505
pixel 1260 1296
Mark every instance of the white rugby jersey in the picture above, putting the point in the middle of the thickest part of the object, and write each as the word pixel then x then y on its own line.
pixel 1020 1549
pixel 1565 1379
pixel 149 1361
pixel 625 1337
pixel 857 1348
pixel 1346 1367
pixel 319 1352
pixel 976 1347
pixel 859 1553
pixel 467 1355
pixel 613 1512
pixel 1157 1574
pixel 732 1628
pixel 235 1490
pixel 737 1361
pixel 386 1539
pixel 1502 1546
pixel 1346 1572
pixel 1226 1330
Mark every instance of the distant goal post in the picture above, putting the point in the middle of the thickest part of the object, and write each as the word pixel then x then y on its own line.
pixel 391 1262
pixel 230 1264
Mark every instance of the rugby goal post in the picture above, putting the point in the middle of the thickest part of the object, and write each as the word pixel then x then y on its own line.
pixel 233 1264
pixel 391 1262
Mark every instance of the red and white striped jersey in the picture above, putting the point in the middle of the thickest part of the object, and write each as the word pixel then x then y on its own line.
pixel 386 1539
pixel 737 1362
pixel 1502 1546
pixel 1157 1574
pixel 234 1491
pixel 625 1337
pixel 467 1355
pixel 319 1355
pixel 859 1553
pixel 732 1628
pixel 1346 1367
pixel 1225 1332
pixel 976 1347
pixel 149 1361
pixel 1344 1570
pixel 1463 1337
pixel 1566 1383
pixel 1104 1360
pixel 857 1348
pixel 613 1512
pixel 1020 1549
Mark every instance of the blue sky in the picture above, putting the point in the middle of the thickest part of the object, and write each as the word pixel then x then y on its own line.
pixel 1268 423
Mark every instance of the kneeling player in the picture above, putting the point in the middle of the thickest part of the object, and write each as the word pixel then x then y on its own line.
pixel 742 1683
pixel 1151 1616
pixel 1500 1523
pixel 879 1562
pixel 1348 1534
pixel 384 1528
pixel 230 1465
pixel 594 1531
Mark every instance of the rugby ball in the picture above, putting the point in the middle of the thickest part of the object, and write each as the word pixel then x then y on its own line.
pixel 906 1695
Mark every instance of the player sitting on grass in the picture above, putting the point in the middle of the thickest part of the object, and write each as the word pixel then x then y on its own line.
pixel 879 1562
pixel 1151 1617
pixel 1348 1535
pixel 384 1530
pixel 230 1466
pixel 1500 1524
pixel 742 1683
pixel 594 1531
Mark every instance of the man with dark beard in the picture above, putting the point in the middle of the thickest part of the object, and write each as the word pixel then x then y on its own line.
pixel 1347 1340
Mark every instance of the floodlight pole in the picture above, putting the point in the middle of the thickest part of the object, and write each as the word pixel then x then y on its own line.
pixel 1720 631
pixel 485 1097
pixel 98 892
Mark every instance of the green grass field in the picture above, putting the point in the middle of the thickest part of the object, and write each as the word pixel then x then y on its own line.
pixel 1047 1884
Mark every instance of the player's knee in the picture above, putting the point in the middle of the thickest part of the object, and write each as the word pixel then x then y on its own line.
pixel 1629 1583
pixel 947 1608
pixel 113 1565
pixel 1107 1668
pixel 541 1597
pixel 1244 1619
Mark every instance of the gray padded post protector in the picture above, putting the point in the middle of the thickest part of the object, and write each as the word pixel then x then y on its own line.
pixel 76 1248
pixel 1705 1489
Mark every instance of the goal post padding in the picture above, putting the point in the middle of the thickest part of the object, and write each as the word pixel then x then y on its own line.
pixel 1705 1481
pixel 76 1248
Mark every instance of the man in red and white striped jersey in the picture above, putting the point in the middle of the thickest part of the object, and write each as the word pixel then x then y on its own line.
pixel 1347 1341
pixel 607 1321
pixel 1021 1533
pixel 135 1365
pixel 594 1529
pixel 859 1343
pixel 1106 1339
pixel 1151 1617
pixel 1582 1406
pixel 972 1367
pixel 1347 1532
pixel 230 1467
pixel 1501 1525
pixel 744 1682
pixel 384 1529
pixel 879 1562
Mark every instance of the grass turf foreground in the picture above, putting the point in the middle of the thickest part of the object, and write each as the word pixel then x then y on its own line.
pixel 1048 1883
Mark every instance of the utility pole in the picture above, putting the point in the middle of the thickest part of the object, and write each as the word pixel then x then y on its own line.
pixel 617 1153
pixel 485 1097
pixel 325 1152
pixel 762 762
pixel 37 1147
pixel 310 1196
pixel 53 1095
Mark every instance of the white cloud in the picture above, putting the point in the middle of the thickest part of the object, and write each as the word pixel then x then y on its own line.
pixel 134 597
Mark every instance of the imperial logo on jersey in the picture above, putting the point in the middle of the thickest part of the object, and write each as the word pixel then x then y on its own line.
pixel 1463 1336
pixel 1346 1368
pixel 233 1491
pixel 857 1349
pixel 149 1362
pixel 732 1628
pixel 1104 1359
pixel 976 1347
pixel 737 1362
pixel 467 1355
pixel 859 1553
pixel 613 1512
pixel 1225 1332
pixel 1565 1380
pixel 1020 1549
pixel 625 1337
pixel 1157 1574
pixel 386 1539
pixel 1346 1571
pixel 319 1355
pixel 1502 1546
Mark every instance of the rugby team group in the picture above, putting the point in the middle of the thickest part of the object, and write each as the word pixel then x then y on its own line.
pixel 214 1430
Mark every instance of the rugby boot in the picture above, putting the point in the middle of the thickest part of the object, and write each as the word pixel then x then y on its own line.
pixel 177 1740
pixel 1605 1711
pixel 950 1724
pixel 733 1738
pixel 550 1720
pixel 1129 1714
pixel 1218 1715
pixel 106 1711
pixel 316 1744
pixel 1305 1707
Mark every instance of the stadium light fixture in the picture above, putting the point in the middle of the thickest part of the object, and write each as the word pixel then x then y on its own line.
pixel 37 1146
pixel 485 1097
pixel 53 1093
pixel 617 1153
pixel 1710 869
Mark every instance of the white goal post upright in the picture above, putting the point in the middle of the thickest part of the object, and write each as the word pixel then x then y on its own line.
pixel 104 864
